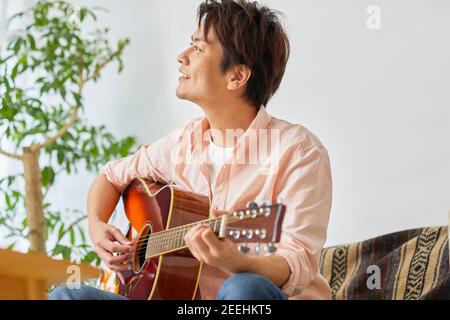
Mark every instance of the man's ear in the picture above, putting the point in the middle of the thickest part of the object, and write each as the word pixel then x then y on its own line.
pixel 239 76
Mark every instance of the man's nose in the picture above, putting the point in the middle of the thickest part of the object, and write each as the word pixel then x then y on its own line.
pixel 183 58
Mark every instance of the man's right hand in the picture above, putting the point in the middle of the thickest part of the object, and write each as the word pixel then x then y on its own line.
pixel 108 241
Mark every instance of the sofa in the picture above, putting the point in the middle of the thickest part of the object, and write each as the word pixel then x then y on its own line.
pixel 406 265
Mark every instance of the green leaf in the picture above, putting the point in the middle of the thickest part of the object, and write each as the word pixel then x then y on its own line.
pixel 17 45
pixel 60 232
pixel 48 177
pixel 15 70
pixel 83 12
pixel 127 144
pixel 82 235
pixel 56 250
pixel 24 223
pixel 66 252
pixel 31 41
pixel 8 201
pixel 89 257
pixel 77 98
pixel 60 249
pixel 72 237
pixel 60 157
pixel 12 245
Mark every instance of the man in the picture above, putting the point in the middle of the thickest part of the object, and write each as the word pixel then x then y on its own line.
pixel 233 67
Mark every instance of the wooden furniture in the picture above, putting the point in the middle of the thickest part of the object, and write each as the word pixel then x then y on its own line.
pixel 27 276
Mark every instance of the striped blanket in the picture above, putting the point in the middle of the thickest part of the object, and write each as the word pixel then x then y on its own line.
pixel 407 265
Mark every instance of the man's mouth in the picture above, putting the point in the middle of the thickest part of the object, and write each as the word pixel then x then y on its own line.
pixel 183 76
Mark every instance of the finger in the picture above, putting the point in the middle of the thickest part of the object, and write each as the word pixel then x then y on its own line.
pixel 110 259
pixel 106 258
pixel 103 254
pixel 119 237
pixel 120 259
pixel 188 236
pixel 193 230
pixel 194 253
pixel 117 268
pixel 211 241
pixel 113 247
pixel 121 277
pixel 199 245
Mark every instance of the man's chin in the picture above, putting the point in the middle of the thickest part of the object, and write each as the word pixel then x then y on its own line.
pixel 182 95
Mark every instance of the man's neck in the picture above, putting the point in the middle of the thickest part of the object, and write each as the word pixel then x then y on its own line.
pixel 234 116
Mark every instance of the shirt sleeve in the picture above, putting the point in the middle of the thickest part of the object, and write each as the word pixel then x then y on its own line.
pixel 153 161
pixel 306 190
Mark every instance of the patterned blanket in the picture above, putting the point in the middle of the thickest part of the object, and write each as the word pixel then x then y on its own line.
pixel 407 265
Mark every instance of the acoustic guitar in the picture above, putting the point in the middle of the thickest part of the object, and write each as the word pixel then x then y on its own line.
pixel 160 216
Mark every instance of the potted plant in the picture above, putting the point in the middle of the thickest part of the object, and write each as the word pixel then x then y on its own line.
pixel 44 69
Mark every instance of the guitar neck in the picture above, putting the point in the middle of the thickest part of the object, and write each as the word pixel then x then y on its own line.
pixel 236 225
pixel 173 239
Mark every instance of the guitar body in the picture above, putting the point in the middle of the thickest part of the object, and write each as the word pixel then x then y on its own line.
pixel 152 207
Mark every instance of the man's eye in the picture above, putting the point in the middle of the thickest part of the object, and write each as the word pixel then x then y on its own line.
pixel 195 47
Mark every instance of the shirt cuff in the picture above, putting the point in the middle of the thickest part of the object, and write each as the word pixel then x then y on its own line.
pixel 299 275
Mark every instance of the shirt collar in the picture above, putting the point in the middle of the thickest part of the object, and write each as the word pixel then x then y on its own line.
pixel 261 121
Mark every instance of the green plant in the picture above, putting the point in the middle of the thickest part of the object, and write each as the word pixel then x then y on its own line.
pixel 43 72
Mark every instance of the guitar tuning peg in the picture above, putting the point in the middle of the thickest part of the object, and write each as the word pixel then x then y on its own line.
pixel 257 248
pixel 239 214
pixel 251 212
pixel 261 233
pixel 247 234
pixel 270 248
pixel 266 203
pixel 252 205
pixel 235 234
pixel 243 248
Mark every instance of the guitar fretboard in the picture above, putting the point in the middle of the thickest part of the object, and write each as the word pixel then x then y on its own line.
pixel 173 239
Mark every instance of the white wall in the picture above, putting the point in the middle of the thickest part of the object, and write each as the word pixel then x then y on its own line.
pixel 378 99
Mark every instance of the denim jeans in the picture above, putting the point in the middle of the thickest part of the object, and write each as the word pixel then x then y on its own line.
pixel 241 286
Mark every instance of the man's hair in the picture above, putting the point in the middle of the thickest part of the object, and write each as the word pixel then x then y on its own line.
pixel 251 35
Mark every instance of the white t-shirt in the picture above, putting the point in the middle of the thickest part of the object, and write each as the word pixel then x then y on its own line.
pixel 217 156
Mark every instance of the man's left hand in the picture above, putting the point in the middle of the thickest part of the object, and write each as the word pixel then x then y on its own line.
pixel 207 248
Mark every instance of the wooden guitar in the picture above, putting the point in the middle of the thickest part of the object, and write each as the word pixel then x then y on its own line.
pixel 161 215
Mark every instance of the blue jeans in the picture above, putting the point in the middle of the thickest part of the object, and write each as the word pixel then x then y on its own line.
pixel 241 286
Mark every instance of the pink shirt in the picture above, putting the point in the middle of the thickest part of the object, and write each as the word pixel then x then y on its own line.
pixel 291 163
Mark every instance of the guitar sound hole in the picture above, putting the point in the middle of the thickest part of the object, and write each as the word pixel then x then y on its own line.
pixel 139 259
pixel 142 257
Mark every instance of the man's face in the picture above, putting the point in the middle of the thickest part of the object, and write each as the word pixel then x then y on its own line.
pixel 201 79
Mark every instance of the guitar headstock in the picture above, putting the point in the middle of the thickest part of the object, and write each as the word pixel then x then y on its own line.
pixel 259 223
